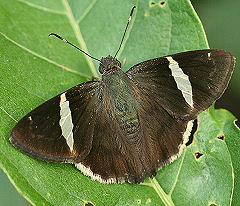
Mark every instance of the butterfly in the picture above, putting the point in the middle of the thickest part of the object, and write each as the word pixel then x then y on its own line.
pixel 126 125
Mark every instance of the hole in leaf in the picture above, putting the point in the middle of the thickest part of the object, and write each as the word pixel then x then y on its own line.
pixel 152 3
pixel 194 129
pixel 221 137
pixel 88 204
pixel 237 122
pixel 161 3
pixel 138 202
pixel 213 204
pixel 198 155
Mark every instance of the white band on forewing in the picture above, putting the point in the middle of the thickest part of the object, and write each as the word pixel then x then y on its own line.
pixel 66 121
pixel 182 80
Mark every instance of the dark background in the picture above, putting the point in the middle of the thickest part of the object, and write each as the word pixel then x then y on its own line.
pixel 220 19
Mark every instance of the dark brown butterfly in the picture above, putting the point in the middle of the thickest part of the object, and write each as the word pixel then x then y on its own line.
pixel 126 126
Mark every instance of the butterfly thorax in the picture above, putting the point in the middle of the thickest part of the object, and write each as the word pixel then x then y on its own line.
pixel 122 92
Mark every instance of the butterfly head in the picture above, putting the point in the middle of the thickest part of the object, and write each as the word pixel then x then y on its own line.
pixel 109 64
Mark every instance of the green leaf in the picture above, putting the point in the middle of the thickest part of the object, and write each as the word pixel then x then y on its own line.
pixel 35 68
pixel 224 121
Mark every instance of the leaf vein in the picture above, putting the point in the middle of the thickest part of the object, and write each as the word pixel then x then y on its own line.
pixel 163 196
pixel 44 58
pixel 79 37
pixel 88 9
pixel 41 7
pixel 8 114
pixel 32 93
pixel 178 173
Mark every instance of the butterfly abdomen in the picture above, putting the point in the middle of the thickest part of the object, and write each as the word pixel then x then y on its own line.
pixel 128 120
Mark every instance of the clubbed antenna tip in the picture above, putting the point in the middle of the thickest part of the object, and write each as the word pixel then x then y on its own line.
pixel 129 19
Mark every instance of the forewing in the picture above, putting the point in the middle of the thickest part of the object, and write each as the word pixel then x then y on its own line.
pixel 60 129
pixel 185 83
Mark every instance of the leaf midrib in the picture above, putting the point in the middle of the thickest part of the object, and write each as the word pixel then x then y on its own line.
pixel 79 36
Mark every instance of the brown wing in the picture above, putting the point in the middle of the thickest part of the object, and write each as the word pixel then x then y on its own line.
pixel 209 72
pixel 39 133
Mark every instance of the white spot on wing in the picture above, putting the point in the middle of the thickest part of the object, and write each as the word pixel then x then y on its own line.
pixel 182 80
pixel 96 177
pixel 209 55
pixel 186 135
pixel 66 121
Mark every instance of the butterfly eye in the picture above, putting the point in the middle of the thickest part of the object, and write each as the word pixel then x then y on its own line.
pixel 101 68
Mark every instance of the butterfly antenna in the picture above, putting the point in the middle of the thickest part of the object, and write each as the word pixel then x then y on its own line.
pixel 130 17
pixel 56 35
